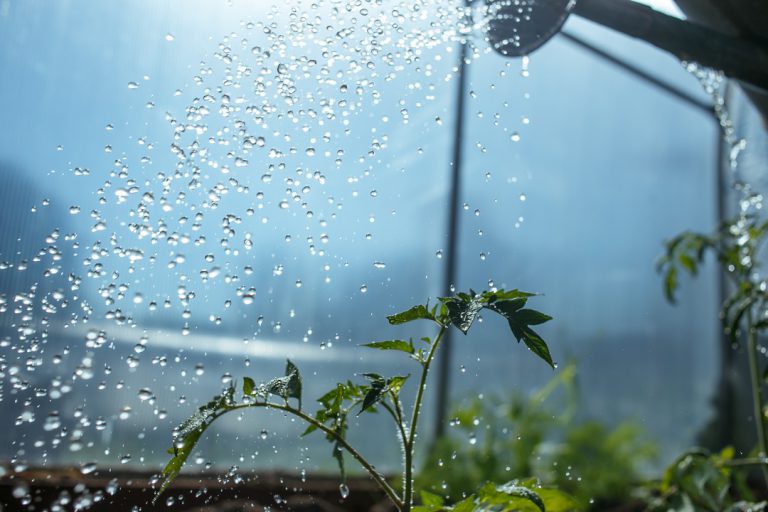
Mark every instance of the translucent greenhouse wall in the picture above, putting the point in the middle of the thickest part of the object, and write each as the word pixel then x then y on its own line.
pixel 193 195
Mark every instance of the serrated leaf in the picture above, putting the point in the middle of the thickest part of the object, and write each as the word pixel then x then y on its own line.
pixel 375 393
pixel 248 386
pixel 462 310
pixel 688 263
pixel 465 505
pixel 415 313
pixel 508 497
pixel 431 500
pixel 507 307
pixel 293 388
pixel 188 434
pixel 395 384
pixel 400 345
pixel 531 317
pixel 182 451
pixel 499 295
pixel 338 454
pixel 670 284
pixel 537 345
pixel 518 491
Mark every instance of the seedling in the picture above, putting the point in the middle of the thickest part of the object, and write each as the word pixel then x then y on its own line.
pixel 736 245
pixel 345 399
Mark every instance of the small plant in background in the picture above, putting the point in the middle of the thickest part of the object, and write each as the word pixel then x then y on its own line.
pixel 736 245
pixel 698 480
pixel 345 399
pixel 537 435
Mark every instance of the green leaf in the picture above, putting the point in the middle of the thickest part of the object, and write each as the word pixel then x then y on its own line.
pixel 293 387
pixel 465 505
pixel 510 497
pixel 499 295
pixel 519 491
pixel 509 307
pixel 181 450
pixel 531 317
pixel 688 263
pixel 462 310
pixel 537 345
pixel 431 500
pixel 395 384
pixel 670 284
pixel 379 388
pixel 375 391
pixel 403 346
pixel 519 320
pixel 338 454
pixel 415 313
pixel 188 434
pixel 248 386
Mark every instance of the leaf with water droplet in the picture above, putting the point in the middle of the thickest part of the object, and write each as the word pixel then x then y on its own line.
pixel 188 434
pixel 510 496
pixel 415 313
pixel 248 386
pixel 463 309
pixel 403 346
pixel 379 388
pixel 293 389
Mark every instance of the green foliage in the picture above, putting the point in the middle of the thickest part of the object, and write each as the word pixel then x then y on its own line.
pixel 698 481
pixel 735 244
pixel 514 496
pixel 331 417
pixel 520 436
pixel 606 462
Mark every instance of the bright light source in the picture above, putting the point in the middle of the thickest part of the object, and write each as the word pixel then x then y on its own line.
pixel 665 6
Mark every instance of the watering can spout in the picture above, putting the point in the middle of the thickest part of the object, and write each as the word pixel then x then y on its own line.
pixel 519 27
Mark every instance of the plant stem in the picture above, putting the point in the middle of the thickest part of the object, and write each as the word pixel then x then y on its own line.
pixel 377 477
pixel 757 391
pixel 408 480
pixel 395 413
pixel 734 463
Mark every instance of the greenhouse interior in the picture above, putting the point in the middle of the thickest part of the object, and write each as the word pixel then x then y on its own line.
pixel 374 255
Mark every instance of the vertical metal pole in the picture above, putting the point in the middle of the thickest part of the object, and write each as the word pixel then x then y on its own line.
pixel 449 278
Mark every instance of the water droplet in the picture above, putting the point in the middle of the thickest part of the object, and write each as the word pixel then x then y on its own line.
pixel 344 491
pixel 88 468
pixel 169 37
pixel 379 264
pixel 133 85
pixel 145 394
pixel 264 434
pixel 363 289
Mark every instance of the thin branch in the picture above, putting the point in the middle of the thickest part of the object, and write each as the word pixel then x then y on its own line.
pixel 378 478
pixel 398 419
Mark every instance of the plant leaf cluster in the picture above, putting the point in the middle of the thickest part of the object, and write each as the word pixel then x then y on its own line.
pixel 707 482
pixel 514 496
pixel 735 244
pixel 380 392
pixel 519 435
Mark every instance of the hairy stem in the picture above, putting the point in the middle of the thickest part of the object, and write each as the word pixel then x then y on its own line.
pixel 411 439
pixel 377 477
pixel 757 391
pixel 395 413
